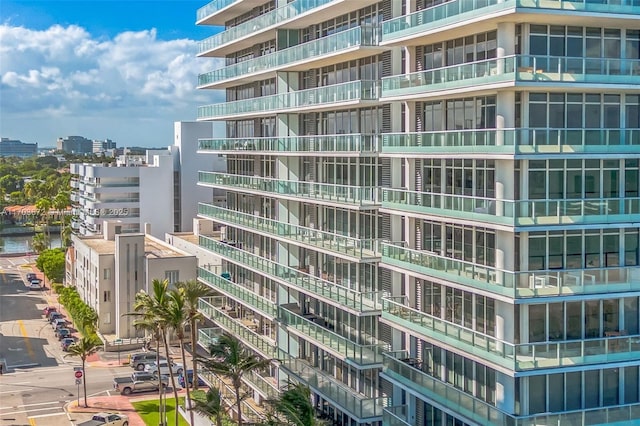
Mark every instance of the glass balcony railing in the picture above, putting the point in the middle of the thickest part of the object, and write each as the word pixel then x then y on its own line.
pixel 514 141
pixel 552 282
pixel 443 393
pixel 250 414
pixel 259 23
pixel 212 308
pixel 347 194
pixel 395 416
pixel 208 336
pixel 319 48
pixel 543 69
pixel 517 357
pixel 514 213
pixel 213 7
pixel 359 354
pixel 339 244
pixel 337 294
pixel 456 12
pixel 332 390
pixel 331 145
pixel 341 94
pixel 247 297
pixel 265 385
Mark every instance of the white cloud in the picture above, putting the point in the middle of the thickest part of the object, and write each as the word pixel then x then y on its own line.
pixel 61 81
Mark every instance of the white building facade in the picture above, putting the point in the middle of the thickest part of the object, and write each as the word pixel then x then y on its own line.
pixel 432 212
pixel 158 188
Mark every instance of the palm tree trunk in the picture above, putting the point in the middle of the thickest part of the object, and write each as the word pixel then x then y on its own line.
pixel 194 325
pixel 186 381
pixel 84 382
pixel 238 403
pixel 173 380
pixel 161 408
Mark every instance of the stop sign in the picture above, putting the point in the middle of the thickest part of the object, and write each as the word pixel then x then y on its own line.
pixel 78 374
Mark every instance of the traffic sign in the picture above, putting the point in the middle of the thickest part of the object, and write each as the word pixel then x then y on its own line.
pixel 78 382
pixel 78 374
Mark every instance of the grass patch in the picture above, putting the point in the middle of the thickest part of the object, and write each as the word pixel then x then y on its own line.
pixel 148 410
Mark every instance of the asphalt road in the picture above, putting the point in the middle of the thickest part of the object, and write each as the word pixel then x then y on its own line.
pixel 39 380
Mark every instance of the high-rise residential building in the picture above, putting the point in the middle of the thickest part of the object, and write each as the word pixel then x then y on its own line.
pixel 75 145
pixel 17 148
pixel 432 212
pixel 158 188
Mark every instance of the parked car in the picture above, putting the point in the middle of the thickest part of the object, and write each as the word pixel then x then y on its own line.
pixel 139 360
pixel 106 419
pixel 65 342
pixel 61 333
pixel 138 382
pixel 46 311
pixel 35 284
pixel 190 379
pixel 54 315
pixel 164 367
pixel 31 276
pixel 58 323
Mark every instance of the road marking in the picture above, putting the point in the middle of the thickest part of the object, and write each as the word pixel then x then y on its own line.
pixel 27 341
pixel 32 422
pixel 16 391
pixel 30 405
pixel 28 411
pixel 46 415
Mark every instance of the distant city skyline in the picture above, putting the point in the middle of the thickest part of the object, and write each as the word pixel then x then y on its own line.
pixel 101 69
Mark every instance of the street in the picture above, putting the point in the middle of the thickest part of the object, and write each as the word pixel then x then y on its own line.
pixel 38 379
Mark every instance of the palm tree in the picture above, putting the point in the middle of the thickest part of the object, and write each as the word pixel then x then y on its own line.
pixel 194 290
pixel 177 318
pixel 211 405
pixel 43 205
pixel 84 348
pixel 294 404
pixel 61 201
pixel 155 306
pixel 229 358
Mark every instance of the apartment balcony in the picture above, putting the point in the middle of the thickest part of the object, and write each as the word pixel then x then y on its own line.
pixel 251 412
pixel 539 72
pixel 513 213
pixel 511 142
pixel 513 357
pixel 395 416
pixel 265 386
pixel 511 284
pixel 356 249
pixel 339 394
pixel 341 96
pixel 344 195
pixel 443 394
pixel 208 336
pixel 217 12
pixel 346 45
pixel 414 28
pixel 235 291
pixel 343 145
pixel 212 308
pixel 306 326
pixel 323 289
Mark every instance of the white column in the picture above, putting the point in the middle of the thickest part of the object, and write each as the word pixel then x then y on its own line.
pixel 505 392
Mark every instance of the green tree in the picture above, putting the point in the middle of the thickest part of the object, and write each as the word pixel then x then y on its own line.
pixel 60 202
pixel 51 262
pixel 39 242
pixel 210 404
pixel 83 348
pixel 43 205
pixel 295 407
pixel 229 358
pixel 10 183
pixel 194 290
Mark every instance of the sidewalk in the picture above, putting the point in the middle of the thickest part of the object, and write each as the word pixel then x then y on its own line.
pixel 114 403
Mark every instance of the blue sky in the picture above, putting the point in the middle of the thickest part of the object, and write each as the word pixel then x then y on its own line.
pixel 122 70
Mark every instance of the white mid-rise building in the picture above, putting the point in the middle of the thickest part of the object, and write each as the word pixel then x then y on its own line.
pixel 158 188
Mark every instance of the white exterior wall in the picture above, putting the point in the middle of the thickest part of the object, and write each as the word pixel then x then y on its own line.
pixel 129 279
pixel 156 195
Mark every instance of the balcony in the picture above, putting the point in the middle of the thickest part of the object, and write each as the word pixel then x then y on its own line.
pixel 263 305
pixel 508 283
pixel 361 355
pixel 513 213
pixel 265 386
pixel 342 96
pixel 512 142
pixel 395 416
pixel 345 45
pixel 346 195
pixel 217 12
pixel 251 412
pixel 208 336
pixel 352 145
pixel 339 394
pixel 515 357
pixel 409 29
pixel 338 245
pixel 328 291
pixel 518 70
pixel 212 309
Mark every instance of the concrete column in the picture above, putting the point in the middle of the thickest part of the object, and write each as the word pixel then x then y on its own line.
pixel 410 59
pixel 505 392
pixel 505 187
pixel 506 39
pixel 410 116
pixel 504 322
pixel 505 114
